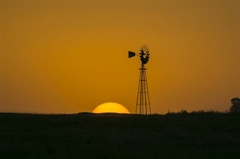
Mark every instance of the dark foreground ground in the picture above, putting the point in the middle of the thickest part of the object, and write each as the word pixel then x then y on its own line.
pixel 195 136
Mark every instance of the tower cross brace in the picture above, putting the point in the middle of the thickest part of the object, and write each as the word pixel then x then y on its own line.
pixel 143 100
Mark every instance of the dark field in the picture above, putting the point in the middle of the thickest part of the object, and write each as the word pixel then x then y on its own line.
pixel 194 135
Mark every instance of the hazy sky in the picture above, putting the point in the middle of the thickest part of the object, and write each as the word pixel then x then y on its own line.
pixel 70 56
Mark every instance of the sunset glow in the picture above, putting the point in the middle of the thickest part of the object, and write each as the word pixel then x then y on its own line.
pixel 111 107
pixel 69 56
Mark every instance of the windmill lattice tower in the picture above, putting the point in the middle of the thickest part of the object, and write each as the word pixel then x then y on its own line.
pixel 143 105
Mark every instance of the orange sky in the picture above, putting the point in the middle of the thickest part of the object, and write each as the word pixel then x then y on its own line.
pixel 70 56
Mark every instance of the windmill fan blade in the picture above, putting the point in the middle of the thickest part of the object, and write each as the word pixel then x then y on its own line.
pixel 131 54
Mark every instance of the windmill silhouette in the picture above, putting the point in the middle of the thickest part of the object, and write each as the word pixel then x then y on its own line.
pixel 143 105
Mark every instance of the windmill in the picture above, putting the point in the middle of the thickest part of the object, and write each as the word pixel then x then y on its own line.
pixel 143 100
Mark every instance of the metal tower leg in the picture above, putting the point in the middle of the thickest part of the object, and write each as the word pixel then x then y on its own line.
pixel 143 101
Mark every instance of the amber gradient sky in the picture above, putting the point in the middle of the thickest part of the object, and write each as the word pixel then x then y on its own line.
pixel 70 56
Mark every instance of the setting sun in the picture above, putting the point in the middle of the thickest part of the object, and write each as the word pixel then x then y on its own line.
pixel 111 107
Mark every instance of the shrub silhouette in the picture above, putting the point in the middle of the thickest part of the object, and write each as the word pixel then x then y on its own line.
pixel 235 108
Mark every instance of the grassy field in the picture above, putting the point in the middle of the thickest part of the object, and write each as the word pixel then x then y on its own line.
pixel 186 135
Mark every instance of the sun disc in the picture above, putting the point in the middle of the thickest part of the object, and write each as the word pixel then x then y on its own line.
pixel 111 107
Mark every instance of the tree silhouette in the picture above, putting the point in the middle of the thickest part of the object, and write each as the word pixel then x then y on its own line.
pixel 235 108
